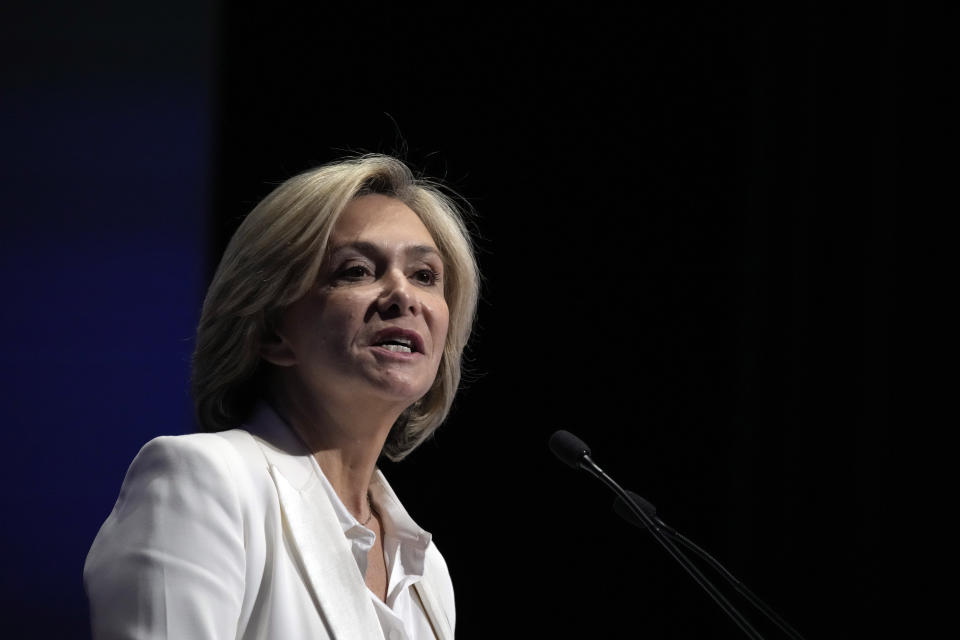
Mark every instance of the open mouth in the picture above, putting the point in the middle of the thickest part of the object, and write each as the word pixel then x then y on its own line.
pixel 397 340
pixel 397 345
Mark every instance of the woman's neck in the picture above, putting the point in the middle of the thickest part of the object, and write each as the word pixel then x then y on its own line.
pixel 345 439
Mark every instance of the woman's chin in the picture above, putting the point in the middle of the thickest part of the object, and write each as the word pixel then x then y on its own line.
pixel 401 395
pixel 392 392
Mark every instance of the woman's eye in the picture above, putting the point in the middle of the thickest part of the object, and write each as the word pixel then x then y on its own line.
pixel 427 276
pixel 354 272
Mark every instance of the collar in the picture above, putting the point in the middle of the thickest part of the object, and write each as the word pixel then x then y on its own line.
pixel 405 543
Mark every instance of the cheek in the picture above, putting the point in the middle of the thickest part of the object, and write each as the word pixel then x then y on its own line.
pixel 441 323
pixel 326 325
pixel 342 315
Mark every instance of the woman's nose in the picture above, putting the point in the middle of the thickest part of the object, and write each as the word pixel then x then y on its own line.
pixel 397 296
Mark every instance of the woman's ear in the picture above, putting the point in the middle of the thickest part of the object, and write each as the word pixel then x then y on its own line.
pixel 275 349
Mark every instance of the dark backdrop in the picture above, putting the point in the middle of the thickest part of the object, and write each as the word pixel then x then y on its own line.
pixel 687 218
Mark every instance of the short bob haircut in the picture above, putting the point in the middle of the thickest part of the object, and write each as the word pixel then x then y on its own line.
pixel 274 259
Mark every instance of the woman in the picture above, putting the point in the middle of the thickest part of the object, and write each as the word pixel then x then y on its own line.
pixel 332 333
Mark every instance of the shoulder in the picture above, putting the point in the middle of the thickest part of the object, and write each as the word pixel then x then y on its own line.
pixel 176 539
pixel 436 568
pixel 198 456
pixel 437 575
pixel 198 472
pixel 186 451
pixel 221 445
pixel 182 490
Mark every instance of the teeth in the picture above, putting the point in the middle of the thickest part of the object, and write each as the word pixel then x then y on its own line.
pixel 399 348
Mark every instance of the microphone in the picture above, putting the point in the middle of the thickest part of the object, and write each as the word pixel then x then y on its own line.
pixel 569 448
pixel 573 452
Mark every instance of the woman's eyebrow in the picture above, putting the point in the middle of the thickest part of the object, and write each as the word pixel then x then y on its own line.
pixel 423 250
pixel 369 248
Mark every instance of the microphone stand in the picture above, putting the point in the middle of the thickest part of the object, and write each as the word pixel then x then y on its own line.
pixel 588 465
pixel 740 588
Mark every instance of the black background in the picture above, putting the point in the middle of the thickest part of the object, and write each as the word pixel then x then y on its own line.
pixel 691 220
pixel 687 223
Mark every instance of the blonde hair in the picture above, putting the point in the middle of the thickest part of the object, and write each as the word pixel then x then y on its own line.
pixel 273 260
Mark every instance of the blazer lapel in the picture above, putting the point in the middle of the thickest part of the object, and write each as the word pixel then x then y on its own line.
pixel 329 568
pixel 434 612
pixel 316 538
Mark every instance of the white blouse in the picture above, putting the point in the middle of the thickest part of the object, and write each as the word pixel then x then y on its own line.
pixel 405 545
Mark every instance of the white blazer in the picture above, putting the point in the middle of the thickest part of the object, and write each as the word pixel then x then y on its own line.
pixel 231 535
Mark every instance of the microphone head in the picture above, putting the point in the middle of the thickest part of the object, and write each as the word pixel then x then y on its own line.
pixel 568 448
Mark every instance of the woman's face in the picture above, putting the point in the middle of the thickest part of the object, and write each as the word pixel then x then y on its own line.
pixel 376 324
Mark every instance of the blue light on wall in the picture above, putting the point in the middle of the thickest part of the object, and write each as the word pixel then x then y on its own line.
pixel 105 196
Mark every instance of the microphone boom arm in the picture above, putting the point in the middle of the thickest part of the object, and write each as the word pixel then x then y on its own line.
pixel 587 464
